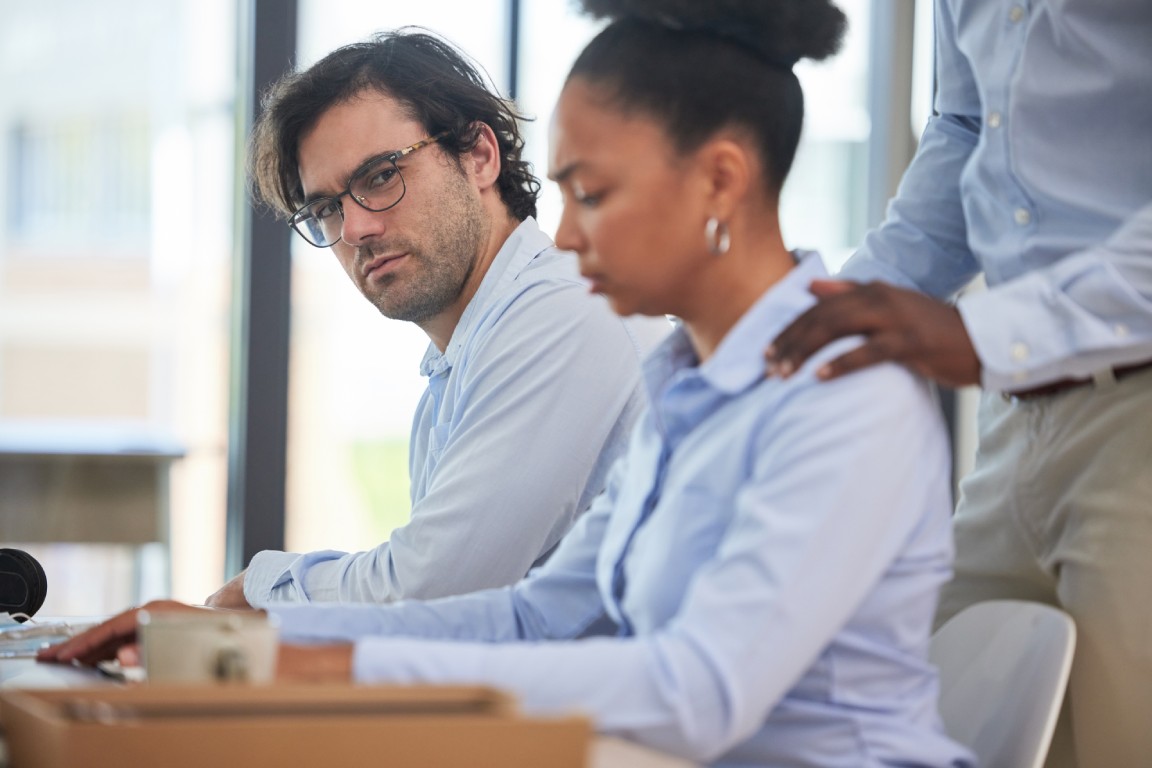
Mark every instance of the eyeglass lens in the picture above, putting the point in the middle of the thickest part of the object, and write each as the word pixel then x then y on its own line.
pixel 375 188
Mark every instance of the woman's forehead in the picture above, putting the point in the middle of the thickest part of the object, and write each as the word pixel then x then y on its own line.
pixel 586 128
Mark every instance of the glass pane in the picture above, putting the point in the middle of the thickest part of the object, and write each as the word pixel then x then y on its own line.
pixel 823 206
pixel 355 376
pixel 116 171
pixel 552 37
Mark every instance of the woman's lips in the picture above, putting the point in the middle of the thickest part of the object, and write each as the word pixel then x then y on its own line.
pixel 595 283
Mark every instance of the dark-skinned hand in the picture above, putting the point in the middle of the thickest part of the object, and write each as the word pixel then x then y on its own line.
pixel 112 639
pixel 899 325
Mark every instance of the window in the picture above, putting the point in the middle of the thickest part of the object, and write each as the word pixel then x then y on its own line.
pixel 117 168
pixel 116 178
pixel 83 178
pixel 354 380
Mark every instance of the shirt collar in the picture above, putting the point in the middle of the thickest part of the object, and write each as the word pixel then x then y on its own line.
pixel 525 243
pixel 739 360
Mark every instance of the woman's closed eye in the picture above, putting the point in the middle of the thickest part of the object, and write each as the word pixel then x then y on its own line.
pixel 583 196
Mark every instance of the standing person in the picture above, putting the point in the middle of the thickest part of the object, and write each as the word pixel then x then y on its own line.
pixel 769 551
pixel 394 155
pixel 1036 172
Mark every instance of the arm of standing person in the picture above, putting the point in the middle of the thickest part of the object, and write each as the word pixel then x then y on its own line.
pixel 915 259
pixel 1088 311
pixel 547 395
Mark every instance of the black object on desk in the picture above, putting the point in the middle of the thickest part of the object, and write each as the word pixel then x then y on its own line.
pixel 23 584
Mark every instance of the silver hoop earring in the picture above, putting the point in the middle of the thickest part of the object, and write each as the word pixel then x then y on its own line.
pixel 716 233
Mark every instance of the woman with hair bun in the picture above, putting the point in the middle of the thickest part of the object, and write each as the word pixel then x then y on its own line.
pixel 755 585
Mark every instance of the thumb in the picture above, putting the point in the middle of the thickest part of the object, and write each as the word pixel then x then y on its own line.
pixel 129 655
pixel 822 289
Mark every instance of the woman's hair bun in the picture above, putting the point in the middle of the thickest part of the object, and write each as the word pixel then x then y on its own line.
pixel 782 31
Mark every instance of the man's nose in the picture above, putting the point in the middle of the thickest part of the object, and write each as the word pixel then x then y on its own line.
pixel 361 224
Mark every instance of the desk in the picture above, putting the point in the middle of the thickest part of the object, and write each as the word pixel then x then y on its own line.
pixel 606 752
pixel 26 673
pixel 85 485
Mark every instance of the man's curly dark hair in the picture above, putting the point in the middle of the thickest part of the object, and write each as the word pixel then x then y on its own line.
pixel 438 86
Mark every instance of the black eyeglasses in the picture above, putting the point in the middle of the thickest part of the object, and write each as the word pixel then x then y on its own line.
pixel 375 186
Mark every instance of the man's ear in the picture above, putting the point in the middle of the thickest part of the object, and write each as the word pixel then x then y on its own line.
pixel 727 174
pixel 483 162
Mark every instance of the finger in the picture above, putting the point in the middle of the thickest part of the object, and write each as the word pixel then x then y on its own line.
pixel 824 288
pixel 100 640
pixel 80 654
pixel 845 314
pixel 104 652
pixel 129 655
pixel 861 357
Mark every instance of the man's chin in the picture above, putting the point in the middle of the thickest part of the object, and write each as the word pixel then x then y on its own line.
pixel 407 312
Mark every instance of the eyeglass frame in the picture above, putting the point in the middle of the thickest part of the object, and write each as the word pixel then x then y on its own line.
pixel 391 157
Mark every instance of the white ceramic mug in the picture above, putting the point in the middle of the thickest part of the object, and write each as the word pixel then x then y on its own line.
pixel 208 646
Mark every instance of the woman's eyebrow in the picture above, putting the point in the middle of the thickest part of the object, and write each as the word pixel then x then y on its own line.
pixel 562 174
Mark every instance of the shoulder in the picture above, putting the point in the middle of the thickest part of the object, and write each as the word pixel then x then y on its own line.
pixel 547 301
pixel 880 405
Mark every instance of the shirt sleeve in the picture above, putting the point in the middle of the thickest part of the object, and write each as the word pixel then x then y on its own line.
pixel 549 388
pixel 558 600
pixel 1088 311
pixel 923 242
pixel 757 614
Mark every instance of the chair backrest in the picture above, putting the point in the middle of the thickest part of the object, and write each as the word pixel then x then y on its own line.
pixel 1004 665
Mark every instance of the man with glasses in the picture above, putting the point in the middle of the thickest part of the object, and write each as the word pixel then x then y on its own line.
pixel 394 155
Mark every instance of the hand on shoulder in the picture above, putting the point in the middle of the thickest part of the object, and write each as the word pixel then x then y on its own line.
pixel 899 325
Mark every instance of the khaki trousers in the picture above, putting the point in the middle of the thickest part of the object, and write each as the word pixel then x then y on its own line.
pixel 1058 509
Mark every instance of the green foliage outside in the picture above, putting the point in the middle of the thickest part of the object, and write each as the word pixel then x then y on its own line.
pixel 381 472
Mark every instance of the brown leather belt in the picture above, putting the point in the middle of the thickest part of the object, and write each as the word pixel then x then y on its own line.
pixel 1063 385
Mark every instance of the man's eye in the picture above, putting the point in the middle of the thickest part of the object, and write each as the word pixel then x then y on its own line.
pixel 380 178
pixel 328 208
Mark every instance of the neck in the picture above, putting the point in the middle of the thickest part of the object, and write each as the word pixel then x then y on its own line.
pixel 441 326
pixel 733 283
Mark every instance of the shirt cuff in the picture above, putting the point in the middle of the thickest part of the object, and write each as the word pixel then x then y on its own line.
pixel 269 578
pixel 1006 363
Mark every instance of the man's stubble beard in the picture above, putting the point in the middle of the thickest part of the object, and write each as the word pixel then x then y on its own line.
pixel 438 268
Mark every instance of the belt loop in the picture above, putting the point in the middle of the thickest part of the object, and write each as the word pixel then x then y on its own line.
pixel 1104 379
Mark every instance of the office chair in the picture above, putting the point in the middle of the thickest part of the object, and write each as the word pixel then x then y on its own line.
pixel 1004 666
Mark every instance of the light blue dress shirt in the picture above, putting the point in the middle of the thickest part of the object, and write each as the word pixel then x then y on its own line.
pixel 525 411
pixel 1037 172
pixel 769 549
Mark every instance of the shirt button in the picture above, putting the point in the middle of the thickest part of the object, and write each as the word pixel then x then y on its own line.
pixel 1019 351
pixel 1015 14
pixel 1022 216
pixel 1120 329
pixel 994 120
